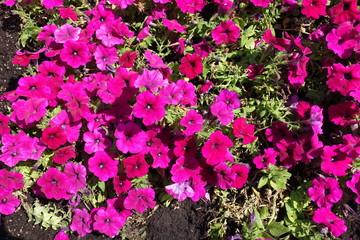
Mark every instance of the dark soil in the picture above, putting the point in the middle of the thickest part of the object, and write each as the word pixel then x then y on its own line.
pixel 9 73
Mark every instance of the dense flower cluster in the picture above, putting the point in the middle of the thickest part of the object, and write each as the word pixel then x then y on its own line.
pixel 105 107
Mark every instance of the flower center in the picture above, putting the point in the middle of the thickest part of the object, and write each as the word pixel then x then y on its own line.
pixel 54 182
pixel 347 76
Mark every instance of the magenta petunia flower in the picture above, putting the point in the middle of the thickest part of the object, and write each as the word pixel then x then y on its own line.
pixel 66 33
pixel 30 111
pixel 76 174
pixel 47 34
pixel 140 199
pixel 172 94
pixel 216 149
pixel 103 165
pixel 108 221
pixel 154 60
pixel 192 121
pixel 342 40
pixel 130 138
pixel 75 54
pixel 81 222
pixel 190 6
pixel 127 59
pixel 113 33
pixel 314 8
pixel 50 4
pixel 345 10
pixel 325 191
pixel 10 181
pixel 263 161
pixel 15 148
pixel 71 128
pixel 54 184
pixel 161 156
pixel 225 176
pixel 183 169
pixel 242 173
pixel 344 113
pixel 191 65
pixel 53 137
pixel 96 141
pixel 150 107
pixel 354 185
pixel 136 166
pixel 61 236
pixel 122 183
pixel 63 154
pixel 173 25
pixel 334 223
pixel 123 4
pixel 311 145
pixel 8 202
pixel 105 56
pixel 226 33
pixel 334 161
pixel 188 93
pixel 261 3
pixel 221 111
pixel 230 98
pixel 351 145
pixel 67 13
pixel 343 79
pixel 151 79
pixel 185 147
pixel 243 130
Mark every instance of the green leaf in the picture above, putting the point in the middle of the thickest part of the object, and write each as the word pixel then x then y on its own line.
pixel 277 229
pixel 263 181
pixel 101 185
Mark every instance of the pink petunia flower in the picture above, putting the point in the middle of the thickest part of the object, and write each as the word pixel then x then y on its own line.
pixel 96 141
pixel 188 93
pixel 154 60
pixel 242 173
pixel 108 221
pixel 121 183
pixel 150 107
pixel 344 113
pixel 192 121
pixel 81 222
pixel 76 174
pixel 343 79
pixel 63 154
pixel 8 202
pixel 226 33
pixel 261 3
pixel 334 223
pixel 173 25
pixel 354 185
pixel 183 169
pixel 54 184
pixel 190 6
pixel 53 137
pixel 50 4
pixel 130 138
pixel 105 56
pixel 172 94
pixel 243 130
pixel 345 10
pixel 263 161
pixel 314 8
pixel 66 33
pixel 342 40
pixel 230 98
pixel 113 33
pixel 136 166
pixel 103 165
pixel 334 161
pixel 225 176
pixel 123 4
pixel 151 79
pixel 191 65
pixel 75 54
pixel 140 199
pixel 127 59
pixel 67 13
pixel 221 111
pixel 161 156
pixel 216 149
pixel 325 191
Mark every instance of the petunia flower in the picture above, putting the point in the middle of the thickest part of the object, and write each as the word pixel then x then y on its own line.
pixel 121 183
pixel 105 56
pixel 63 154
pixel 130 138
pixel 136 166
pixel 140 199
pixel 81 222
pixel 66 33
pixel 150 107
pixel 151 79
pixel 225 176
pixel 190 6
pixel 344 113
pixel 242 173
pixel 263 161
pixel 325 191
pixel 67 13
pixel 192 121
pixel 50 4
pixel 191 65
pixel 75 54
pixel 8 202
pixel 261 3
pixel 173 25
pixel 103 165
pixel 54 184
pixel 108 221
pixel 53 137
pixel 243 130
pixel 127 59
pixel 329 219
pixel 216 149
pixel 188 93
pixel 226 33
pixel 334 161
pixel 314 8
pixel 76 174
pixel 354 185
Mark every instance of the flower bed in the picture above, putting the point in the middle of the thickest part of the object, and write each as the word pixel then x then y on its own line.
pixel 127 105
